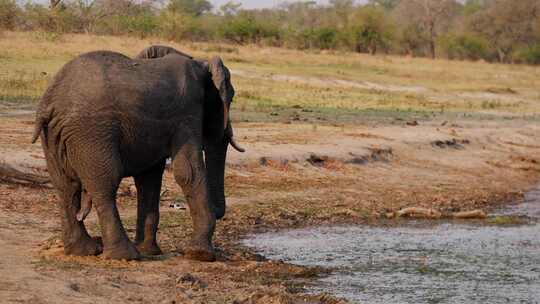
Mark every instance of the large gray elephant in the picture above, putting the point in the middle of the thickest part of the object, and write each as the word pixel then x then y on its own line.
pixel 106 116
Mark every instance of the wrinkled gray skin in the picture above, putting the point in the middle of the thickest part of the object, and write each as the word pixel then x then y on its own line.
pixel 106 116
pixel 158 51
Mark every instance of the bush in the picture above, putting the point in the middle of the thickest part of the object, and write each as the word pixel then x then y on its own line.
pixel 313 38
pixel 530 55
pixel 370 29
pixel 38 17
pixel 325 38
pixel 464 46
pixel 9 14
pixel 245 28
pixel 412 40
pixel 142 26
pixel 177 26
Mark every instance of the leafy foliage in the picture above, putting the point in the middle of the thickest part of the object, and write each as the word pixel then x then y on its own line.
pixel 493 30
pixel 465 46
pixel 9 12
pixel 190 7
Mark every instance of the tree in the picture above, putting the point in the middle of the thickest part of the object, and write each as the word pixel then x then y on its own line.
pixel 190 7
pixel 301 14
pixel 386 4
pixel 370 29
pixel 507 24
pixel 87 13
pixel 230 8
pixel 54 3
pixel 247 28
pixel 342 9
pixel 9 12
pixel 431 15
pixel 472 6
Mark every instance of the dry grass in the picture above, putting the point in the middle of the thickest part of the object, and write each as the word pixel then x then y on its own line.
pixel 270 79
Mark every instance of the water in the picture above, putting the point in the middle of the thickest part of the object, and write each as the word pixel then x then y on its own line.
pixel 419 262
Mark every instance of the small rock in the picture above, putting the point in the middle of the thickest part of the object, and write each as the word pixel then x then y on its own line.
pixel 413 123
pixel 317 160
pixel 263 161
pixel 74 287
pixel 190 281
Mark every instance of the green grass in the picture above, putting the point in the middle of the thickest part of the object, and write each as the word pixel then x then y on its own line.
pixel 503 220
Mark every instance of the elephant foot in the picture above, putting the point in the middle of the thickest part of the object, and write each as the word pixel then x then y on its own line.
pixel 149 248
pixel 126 251
pixel 84 247
pixel 200 253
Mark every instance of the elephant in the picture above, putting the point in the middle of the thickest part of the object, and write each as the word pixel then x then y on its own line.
pixel 106 116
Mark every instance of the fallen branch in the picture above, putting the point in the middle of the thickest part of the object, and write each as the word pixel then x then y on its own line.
pixel 9 174
pixel 475 214
pixel 418 212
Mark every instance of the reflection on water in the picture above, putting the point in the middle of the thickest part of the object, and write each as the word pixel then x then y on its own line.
pixel 419 263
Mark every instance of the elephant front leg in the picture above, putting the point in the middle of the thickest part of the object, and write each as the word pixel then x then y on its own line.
pixel 148 194
pixel 190 174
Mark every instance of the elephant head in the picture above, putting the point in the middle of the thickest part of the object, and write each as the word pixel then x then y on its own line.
pixel 218 131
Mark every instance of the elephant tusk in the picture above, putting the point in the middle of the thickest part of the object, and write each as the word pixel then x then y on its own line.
pixel 236 146
pixel 225 116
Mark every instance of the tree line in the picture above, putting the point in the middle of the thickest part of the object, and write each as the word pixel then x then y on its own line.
pixel 506 31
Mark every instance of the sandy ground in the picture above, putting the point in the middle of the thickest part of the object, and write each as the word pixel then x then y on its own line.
pixel 294 174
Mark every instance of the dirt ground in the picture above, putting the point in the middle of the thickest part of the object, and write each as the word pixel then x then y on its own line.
pixel 294 174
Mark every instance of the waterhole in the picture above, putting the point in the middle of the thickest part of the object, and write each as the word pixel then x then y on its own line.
pixel 493 261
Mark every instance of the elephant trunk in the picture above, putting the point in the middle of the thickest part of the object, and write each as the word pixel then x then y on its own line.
pixel 215 155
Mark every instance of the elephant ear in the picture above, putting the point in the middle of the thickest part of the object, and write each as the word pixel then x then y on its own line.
pixel 221 77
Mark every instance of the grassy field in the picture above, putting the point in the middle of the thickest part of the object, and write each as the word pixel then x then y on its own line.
pixel 325 84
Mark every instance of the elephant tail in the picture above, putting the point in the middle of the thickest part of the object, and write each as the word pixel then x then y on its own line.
pixel 37 130
pixel 42 119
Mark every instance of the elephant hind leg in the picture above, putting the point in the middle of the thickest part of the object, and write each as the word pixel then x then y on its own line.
pixel 76 239
pixel 100 170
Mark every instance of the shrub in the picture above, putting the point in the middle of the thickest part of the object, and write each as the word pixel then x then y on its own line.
pixel 38 17
pixel 179 26
pixel 313 38
pixel 325 38
pixel 139 25
pixel 245 28
pixel 530 55
pixel 464 46
pixel 412 40
pixel 9 14
pixel 370 29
